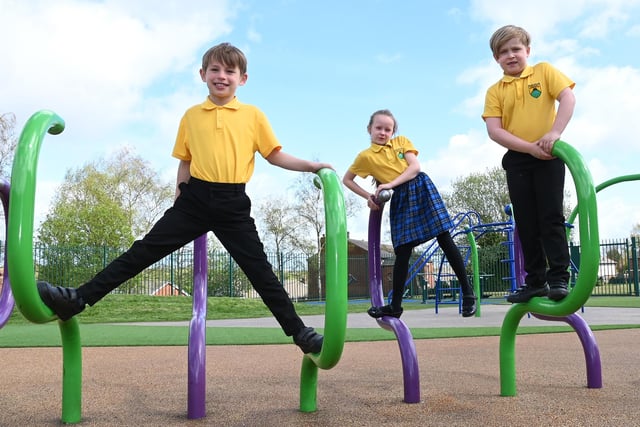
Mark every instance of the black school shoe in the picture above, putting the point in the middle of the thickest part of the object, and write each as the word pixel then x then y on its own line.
pixel 525 292
pixel 308 340
pixel 558 290
pixel 64 302
pixel 469 307
pixel 385 310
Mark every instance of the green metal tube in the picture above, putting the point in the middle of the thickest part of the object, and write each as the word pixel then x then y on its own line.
pixel 589 263
pixel 335 322
pixel 20 256
pixel 476 273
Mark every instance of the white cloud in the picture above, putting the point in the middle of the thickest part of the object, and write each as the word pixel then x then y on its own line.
pixel 606 111
pixel 385 58
pixel 465 153
pixel 91 62
pixel 115 72
pixel 605 125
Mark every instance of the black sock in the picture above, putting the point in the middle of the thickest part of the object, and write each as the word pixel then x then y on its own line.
pixel 400 271
pixel 455 261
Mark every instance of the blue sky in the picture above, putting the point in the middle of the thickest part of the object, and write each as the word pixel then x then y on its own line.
pixel 121 73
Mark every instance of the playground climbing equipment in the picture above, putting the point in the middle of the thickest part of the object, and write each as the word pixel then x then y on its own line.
pixel 6 296
pixel 335 320
pixel 20 256
pixel 564 310
pixel 410 370
pixel 20 263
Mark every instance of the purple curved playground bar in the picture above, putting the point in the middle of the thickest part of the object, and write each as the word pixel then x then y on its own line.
pixel 408 353
pixel 6 297
pixel 589 346
pixel 196 406
pixel 588 340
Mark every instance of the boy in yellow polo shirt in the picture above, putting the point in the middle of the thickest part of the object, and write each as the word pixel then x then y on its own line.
pixel 520 114
pixel 216 145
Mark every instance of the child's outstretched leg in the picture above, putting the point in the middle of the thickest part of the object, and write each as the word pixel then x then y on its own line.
pixel 456 262
pixel 400 271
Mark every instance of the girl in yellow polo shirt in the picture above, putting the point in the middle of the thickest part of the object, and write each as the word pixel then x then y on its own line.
pixel 417 212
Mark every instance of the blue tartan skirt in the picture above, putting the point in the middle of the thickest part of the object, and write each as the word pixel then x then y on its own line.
pixel 417 213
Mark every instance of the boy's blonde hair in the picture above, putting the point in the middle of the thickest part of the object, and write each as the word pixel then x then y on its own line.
pixel 506 33
pixel 226 54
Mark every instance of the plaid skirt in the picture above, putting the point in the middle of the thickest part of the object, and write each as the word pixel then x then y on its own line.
pixel 417 213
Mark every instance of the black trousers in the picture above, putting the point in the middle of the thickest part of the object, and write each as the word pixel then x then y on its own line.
pixel 401 267
pixel 536 189
pixel 224 209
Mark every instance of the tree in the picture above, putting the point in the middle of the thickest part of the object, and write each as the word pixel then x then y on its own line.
pixel 483 192
pixel 84 221
pixel 487 194
pixel 138 187
pixel 618 257
pixel 8 143
pixel 282 228
pixel 86 213
pixel 103 205
pixel 107 202
pixel 309 207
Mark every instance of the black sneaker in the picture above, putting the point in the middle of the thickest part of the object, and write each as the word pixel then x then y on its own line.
pixel 64 302
pixel 557 291
pixel 308 340
pixel 525 292
pixel 469 307
pixel 386 310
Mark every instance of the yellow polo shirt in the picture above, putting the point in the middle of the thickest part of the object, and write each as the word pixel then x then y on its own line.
pixel 221 141
pixel 527 104
pixel 383 162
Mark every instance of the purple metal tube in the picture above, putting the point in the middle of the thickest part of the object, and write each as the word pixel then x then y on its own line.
pixel 408 353
pixel 7 301
pixel 588 340
pixel 196 406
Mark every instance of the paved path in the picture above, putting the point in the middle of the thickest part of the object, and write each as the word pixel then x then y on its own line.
pixel 491 315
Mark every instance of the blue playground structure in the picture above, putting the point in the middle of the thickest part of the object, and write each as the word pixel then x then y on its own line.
pixel 444 281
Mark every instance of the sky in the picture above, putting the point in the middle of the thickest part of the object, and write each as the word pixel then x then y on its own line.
pixel 121 73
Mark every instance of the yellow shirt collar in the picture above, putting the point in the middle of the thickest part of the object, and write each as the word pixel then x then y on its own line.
pixel 377 147
pixel 234 104
pixel 525 73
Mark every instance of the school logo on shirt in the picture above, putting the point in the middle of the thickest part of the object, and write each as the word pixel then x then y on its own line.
pixel 535 90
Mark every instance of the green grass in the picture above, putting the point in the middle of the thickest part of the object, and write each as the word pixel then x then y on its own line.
pixel 101 325
pixel 144 308
pixel 100 335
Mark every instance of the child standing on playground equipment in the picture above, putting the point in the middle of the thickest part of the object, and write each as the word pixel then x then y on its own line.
pixel 520 115
pixel 216 145
pixel 417 212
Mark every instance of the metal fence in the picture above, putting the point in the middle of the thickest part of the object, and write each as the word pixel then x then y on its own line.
pixel 173 275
